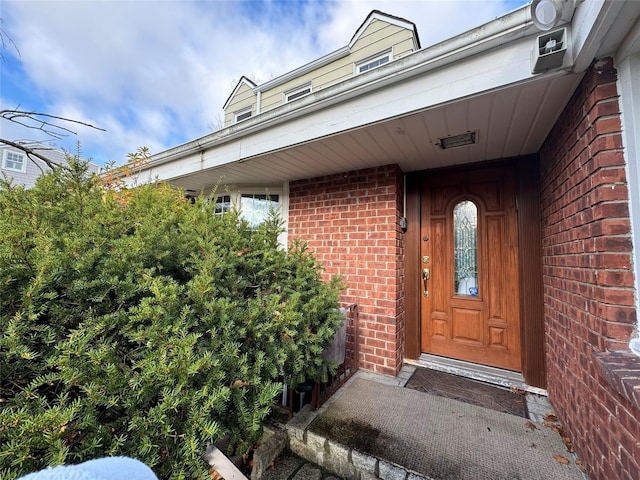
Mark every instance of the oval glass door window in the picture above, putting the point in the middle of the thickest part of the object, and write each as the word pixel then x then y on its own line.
pixel 465 248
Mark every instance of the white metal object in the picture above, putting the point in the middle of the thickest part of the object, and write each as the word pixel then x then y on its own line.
pixel 549 51
pixel 545 14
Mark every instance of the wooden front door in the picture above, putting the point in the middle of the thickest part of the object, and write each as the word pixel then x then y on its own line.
pixel 469 267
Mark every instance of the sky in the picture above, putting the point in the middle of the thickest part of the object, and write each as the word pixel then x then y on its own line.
pixel 157 73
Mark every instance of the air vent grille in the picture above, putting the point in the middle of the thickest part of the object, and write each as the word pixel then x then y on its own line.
pixel 549 51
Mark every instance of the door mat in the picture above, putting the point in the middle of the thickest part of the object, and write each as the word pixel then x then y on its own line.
pixel 468 391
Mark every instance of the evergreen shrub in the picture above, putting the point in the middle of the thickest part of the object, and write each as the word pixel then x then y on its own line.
pixel 135 322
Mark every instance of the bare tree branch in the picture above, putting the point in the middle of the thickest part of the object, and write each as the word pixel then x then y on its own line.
pixel 44 123
pixel 32 154
pixel 5 41
pixel 41 121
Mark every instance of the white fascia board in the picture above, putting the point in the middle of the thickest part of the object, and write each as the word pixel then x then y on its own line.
pixel 591 22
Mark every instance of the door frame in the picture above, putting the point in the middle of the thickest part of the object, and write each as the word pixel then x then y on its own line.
pixel 529 260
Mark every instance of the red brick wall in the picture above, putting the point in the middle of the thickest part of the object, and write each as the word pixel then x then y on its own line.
pixel 588 282
pixel 351 222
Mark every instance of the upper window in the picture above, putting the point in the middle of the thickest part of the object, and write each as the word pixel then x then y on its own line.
pixel 14 161
pixel 373 62
pixel 297 92
pixel 243 114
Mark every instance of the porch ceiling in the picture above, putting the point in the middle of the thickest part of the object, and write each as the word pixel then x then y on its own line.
pixel 509 122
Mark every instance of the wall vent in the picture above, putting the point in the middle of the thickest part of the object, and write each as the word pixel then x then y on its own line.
pixel 549 51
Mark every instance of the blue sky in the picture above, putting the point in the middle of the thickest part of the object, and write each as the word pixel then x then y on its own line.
pixel 156 73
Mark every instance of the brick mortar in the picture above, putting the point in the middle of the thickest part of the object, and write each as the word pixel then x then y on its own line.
pixel 351 223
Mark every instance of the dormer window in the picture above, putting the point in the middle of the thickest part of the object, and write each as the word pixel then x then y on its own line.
pixel 373 62
pixel 297 92
pixel 243 114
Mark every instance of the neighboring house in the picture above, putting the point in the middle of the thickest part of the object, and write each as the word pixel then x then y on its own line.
pixel 480 198
pixel 24 171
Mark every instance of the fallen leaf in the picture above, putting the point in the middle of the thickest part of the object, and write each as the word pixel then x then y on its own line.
pixel 560 459
pixel 214 474
pixel 531 426
pixel 517 390
pixel 552 422
pixel 567 441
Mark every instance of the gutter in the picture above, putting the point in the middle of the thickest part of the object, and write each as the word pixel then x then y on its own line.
pixel 512 26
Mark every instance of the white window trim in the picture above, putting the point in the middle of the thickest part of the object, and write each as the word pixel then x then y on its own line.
pixel 242 112
pixel 5 153
pixel 298 92
pixel 373 58
pixel 629 89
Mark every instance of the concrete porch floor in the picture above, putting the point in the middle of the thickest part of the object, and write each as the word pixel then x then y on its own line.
pixel 373 428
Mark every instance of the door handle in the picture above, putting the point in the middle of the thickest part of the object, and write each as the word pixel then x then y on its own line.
pixel 426 273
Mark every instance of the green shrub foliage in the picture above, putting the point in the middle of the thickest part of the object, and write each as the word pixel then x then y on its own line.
pixel 135 322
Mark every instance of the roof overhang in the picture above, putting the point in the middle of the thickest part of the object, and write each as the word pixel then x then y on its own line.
pixel 479 81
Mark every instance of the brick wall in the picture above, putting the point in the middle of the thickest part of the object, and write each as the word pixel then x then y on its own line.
pixel 588 281
pixel 351 222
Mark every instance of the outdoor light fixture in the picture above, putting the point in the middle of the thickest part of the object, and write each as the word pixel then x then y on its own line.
pixel 545 13
pixel 453 141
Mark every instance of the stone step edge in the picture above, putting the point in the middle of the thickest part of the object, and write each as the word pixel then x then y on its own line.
pixel 328 454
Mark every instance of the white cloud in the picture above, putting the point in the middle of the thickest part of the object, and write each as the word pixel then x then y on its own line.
pixel 156 73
